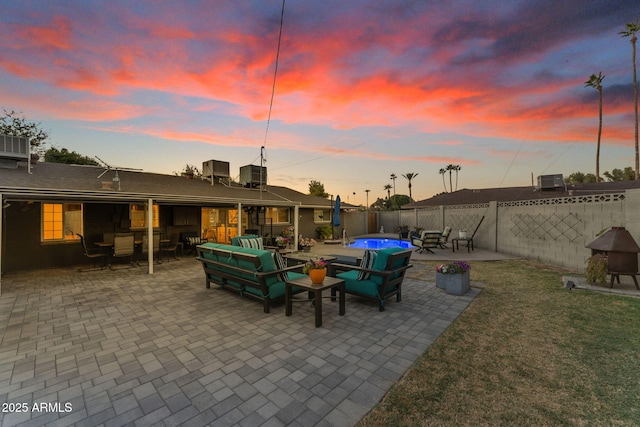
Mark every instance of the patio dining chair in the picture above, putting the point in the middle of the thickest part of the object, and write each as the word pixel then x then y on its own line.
pixel 171 247
pixel 94 255
pixel 124 246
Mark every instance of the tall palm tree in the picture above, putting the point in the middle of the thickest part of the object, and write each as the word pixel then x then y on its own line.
pixel 409 176
pixel 632 29
pixel 393 178
pixel 596 82
pixel 442 172
pixel 455 168
pixel 450 168
pixel 388 188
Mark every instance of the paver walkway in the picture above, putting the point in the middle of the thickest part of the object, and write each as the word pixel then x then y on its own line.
pixel 123 347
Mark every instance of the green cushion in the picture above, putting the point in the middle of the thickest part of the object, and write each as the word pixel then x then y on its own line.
pixel 352 284
pixel 381 262
pixel 383 256
pixel 276 289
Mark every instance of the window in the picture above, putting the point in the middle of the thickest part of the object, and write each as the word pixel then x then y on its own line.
pixel 278 215
pixel 138 216
pixel 321 216
pixel 61 221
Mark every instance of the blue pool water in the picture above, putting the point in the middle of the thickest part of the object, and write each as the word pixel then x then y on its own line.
pixel 379 243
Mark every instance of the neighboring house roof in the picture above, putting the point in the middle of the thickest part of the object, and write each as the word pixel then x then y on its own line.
pixel 508 194
pixel 52 181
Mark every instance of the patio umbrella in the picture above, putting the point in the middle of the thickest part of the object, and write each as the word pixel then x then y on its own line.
pixel 335 221
pixel 336 213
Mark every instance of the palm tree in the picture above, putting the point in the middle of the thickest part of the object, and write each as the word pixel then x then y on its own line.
pixel 632 29
pixel 393 178
pixel 409 176
pixel 388 188
pixel 455 168
pixel 451 168
pixel 596 82
pixel 442 172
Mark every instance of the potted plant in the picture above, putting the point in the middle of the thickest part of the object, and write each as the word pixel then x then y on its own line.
pixel 597 269
pixel 316 269
pixel 453 277
pixel 403 231
pixel 306 244
pixel 323 231
pixel 282 241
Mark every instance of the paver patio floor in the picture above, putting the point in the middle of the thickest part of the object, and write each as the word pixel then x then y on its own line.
pixel 128 348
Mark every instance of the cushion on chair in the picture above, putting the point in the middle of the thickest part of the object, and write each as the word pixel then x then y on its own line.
pixel 353 284
pixel 280 264
pixel 368 259
pixel 194 240
pixel 254 242
pixel 381 262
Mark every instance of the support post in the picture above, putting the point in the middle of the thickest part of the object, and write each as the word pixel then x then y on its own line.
pixel 296 223
pixel 150 245
pixel 239 227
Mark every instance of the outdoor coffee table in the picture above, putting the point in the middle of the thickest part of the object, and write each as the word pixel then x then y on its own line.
pixel 305 283
pixel 296 258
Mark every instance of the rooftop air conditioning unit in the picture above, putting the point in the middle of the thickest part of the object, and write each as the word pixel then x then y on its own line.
pixel 14 149
pixel 215 169
pixel 253 176
pixel 550 182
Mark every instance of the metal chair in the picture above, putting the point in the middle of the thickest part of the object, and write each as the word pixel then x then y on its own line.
pixel 171 247
pixel 429 239
pixel 124 246
pixel 444 237
pixel 93 255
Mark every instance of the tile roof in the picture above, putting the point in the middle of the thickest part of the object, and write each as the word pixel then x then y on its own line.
pixel 57 180
pixel 508 194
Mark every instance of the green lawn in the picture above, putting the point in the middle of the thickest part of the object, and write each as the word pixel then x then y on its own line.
pixel 525 352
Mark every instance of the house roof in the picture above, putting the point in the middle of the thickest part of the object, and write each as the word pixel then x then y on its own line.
pixel 56 181
pixel 508 194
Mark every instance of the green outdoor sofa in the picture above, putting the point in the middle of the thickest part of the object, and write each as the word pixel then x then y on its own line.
pixel 254 273
pixel 379 275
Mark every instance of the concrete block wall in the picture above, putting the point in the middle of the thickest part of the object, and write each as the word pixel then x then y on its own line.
pixel 553 230
pixel 556 230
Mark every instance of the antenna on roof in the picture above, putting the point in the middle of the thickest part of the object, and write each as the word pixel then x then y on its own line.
pixel 108 167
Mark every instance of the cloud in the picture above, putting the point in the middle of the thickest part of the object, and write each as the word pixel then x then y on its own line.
pixel 491 71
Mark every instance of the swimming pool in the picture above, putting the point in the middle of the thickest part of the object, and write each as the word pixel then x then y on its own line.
pixel 377 243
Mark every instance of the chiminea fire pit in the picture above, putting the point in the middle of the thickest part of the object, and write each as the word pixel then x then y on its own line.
pixel 621 251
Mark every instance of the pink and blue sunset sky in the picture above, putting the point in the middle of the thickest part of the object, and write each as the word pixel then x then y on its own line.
pixel 364 88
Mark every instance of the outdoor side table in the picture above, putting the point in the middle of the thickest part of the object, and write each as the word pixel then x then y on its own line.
pixel 316 290
pixel 455 242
